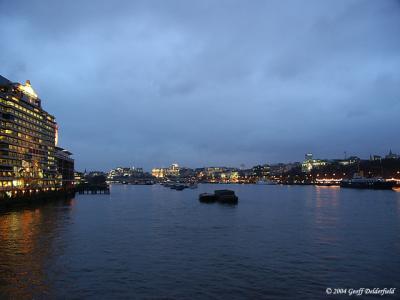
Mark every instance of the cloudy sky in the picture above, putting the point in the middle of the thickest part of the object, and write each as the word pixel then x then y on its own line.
pixel 148 83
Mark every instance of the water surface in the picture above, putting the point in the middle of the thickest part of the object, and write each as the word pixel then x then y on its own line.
pixel 150 242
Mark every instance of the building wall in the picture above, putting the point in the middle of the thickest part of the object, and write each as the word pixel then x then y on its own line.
pixel 65 169
pixel 27 141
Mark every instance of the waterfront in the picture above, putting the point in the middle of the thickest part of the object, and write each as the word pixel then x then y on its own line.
pixel 279 242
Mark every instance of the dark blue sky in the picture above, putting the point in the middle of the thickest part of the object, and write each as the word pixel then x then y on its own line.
pixel 148 83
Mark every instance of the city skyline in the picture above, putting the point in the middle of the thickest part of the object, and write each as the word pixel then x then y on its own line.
pixel 210 83
pixel 372 157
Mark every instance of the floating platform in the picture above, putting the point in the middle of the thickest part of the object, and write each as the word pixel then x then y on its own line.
pixel 221 196
pixel 207 198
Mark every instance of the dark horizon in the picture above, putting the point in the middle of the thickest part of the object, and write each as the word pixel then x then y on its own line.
pixel 149 84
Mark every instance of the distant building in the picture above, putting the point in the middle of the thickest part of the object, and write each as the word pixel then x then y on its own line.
pixel 215 174
pixel 345 162
pixel 375 157
pixel 392 155
pixel 187 172
pixel 125 173
pixel 95 174
pixel 261 171
pixel 281 168
pixel 79 178
pixel 65 167
pixel 211 171
pixel 309 163
pixel 228 176
pixel 159 172
pixel 308 156
pixel 171 171
pixel 137 171
pixel 246 176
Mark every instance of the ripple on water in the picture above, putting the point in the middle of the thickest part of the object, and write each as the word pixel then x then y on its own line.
pixel 154 243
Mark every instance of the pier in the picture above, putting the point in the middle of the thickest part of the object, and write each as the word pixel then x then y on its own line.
pixel 28 197
pixel 93 189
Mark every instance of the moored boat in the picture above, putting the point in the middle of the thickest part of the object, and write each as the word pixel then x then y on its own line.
pixel 178 187
pixel 360 182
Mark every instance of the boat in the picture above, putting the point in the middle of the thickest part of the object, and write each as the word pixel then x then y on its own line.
pixel 327 184
pixel 178 187
pixel 360 182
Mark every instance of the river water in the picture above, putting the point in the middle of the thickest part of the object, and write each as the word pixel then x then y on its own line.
pixel 150 242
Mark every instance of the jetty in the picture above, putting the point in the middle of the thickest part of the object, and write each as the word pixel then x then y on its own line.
pixel 93 189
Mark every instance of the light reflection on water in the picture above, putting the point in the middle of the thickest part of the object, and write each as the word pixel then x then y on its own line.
pixel 398 200
pixel 152 242
pixel 326 212
pixel 25 247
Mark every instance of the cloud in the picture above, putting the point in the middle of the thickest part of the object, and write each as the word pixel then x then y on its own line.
pixel 147 83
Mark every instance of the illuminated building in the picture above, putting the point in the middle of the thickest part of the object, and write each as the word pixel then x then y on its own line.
pixel 27 141
pixel 261 171
pixel 233 176
pixel 79 178
pixel 172 171
pixel 310 163
pixel 214 171
pixel 159 172
pixel 124 173
pixel 349 161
